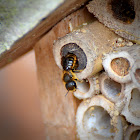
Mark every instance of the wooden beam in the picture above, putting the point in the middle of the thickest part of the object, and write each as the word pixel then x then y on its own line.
pixel 58 111
pixel 27 41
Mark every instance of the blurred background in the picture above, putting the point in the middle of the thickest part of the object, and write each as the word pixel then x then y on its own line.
pixel 20 114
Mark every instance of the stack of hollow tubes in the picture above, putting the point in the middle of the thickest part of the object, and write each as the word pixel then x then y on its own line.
pixel 107 80
pixel 102 78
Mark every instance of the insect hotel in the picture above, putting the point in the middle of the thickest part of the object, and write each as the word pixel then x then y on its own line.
pixel 87 56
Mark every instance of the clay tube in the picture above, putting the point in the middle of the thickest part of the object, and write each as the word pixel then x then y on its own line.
pixel 88 44
pixel 112 90
pixel 131 110
pixel 97 119
pixel 119 63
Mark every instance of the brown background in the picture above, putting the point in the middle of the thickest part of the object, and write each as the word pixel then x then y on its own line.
pixel 20 115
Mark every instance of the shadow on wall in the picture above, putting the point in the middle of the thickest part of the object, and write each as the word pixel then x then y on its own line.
pixel 20 115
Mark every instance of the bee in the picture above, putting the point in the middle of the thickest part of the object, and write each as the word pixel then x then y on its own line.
pixel 70 81
pixel 70 64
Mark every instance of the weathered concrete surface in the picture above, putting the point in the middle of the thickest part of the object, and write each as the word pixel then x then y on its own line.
pixel 18 17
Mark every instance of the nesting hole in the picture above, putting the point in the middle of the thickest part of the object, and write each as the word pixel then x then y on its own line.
pixel 135 135
pixel 83 86
pixel 134 104
pixel 120 66
pixel 112 88
pixel 123 10
pixel 97 121
pixel 137 75
pixel 73 48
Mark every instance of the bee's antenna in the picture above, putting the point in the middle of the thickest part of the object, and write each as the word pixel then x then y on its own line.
pixel 66 93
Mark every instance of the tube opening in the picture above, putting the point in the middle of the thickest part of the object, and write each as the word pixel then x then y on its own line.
pixel 137 75
pixel 83 86
pixel 134 104
pixel 73 48
pixel 112 88
pixel 96 120
pixel 123 10
pixel 120 66
pixel 135 135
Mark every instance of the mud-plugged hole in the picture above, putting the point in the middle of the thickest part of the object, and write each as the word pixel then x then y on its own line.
pixel 96 120
pixel 135 135
pixel 134 105
pixel 73 48
pixel 83 86
pixel 112 88
pixel 123 10
pixel 120 66
pixel 137 75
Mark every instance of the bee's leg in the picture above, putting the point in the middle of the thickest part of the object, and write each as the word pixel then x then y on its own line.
pixel 76 79
pixel 81 81
pixel 77 71
pixel 66 93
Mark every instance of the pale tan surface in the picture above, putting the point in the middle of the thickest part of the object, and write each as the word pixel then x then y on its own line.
pixel 58 110
pixel 20 115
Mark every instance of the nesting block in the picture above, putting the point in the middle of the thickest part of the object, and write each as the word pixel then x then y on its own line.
pixel 123 17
